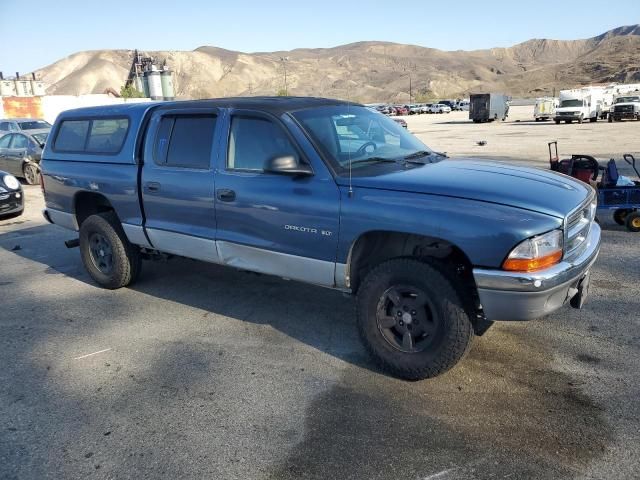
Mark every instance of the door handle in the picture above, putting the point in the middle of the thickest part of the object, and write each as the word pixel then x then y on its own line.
pixel 225 195
pixel 152 187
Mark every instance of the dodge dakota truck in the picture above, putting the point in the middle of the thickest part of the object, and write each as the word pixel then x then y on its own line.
pixel 329 193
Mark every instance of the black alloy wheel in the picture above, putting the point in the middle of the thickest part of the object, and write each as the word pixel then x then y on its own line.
pixel 405 317
pixel 101 253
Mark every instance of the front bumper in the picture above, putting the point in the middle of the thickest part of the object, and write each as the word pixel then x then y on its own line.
pixel 575 117
pixel 527 296
pixel 11 202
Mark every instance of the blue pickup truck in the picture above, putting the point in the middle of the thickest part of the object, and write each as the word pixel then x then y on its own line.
pixel 333 194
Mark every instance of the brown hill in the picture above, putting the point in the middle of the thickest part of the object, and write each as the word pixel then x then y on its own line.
pixel 370 71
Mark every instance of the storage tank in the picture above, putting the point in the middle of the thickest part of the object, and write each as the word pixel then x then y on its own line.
pixel 138 84
pixel 155 84
pixel 7 88
pixel 166 77
pixel 38 88
pixel 23 88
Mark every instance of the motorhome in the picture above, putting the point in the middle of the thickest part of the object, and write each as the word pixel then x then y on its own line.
pixel 545 108
pixel 580 104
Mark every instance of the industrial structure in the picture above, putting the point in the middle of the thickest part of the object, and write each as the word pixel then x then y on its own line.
pixel 155 82
pixel 21 87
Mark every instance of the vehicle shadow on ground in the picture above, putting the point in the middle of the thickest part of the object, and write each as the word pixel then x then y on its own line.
pixel 503 411
pixel 319 317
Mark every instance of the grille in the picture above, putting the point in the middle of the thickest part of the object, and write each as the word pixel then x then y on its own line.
pixel 577 227
pixel 623 109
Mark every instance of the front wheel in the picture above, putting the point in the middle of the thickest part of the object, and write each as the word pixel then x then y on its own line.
pixel 107 255
pixel 412 320
pixel 31 174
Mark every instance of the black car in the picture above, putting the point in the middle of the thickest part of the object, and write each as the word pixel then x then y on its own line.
pixel 20 153
pixel 11 196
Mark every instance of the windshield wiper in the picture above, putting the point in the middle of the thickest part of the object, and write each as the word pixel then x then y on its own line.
pixel 413 158
pixel 373 160
pixel 418 154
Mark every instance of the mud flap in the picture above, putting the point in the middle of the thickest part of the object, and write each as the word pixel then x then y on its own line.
pixel 578 300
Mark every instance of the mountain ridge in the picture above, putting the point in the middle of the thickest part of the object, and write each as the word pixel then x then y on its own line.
pixel 369 70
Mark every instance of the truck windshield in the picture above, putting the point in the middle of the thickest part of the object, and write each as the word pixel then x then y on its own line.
pixel 355 134
pixel 571 103
pixel 627 99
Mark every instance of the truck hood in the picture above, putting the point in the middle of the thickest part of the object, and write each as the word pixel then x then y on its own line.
pixel 534 189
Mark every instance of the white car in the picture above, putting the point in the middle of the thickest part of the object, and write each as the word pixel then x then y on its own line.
pixel 440 108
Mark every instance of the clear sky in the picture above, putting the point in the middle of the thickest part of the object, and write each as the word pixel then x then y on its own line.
pixel 35 33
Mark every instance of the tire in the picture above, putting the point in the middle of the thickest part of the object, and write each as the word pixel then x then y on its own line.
pixel 107 255
pixel 620 216
pixel 31 174
pixel 580 119
pixel 609 118
pixel 593 119
pixel 633 222
pixel 440 328
pixel 557 122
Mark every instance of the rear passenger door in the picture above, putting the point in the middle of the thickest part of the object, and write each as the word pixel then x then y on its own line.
pixel 16 153
pixel 178 182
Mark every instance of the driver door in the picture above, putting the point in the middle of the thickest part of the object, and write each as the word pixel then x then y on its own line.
pixel 274 223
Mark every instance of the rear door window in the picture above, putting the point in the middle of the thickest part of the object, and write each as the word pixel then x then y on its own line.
pixel 19 141
pixel 72 136
pixel 185 141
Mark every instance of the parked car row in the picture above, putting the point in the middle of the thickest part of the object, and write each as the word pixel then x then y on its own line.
pixel 21 143
pixel 413 109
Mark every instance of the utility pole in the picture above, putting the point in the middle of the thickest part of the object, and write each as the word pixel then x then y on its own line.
pixel 410 89
pixel 284 61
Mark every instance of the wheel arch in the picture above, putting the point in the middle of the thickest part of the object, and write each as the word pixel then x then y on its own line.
pixel 374 247
pixel 86 204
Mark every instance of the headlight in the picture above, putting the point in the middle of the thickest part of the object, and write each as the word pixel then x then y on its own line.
pixel 11 182
pixel 536 253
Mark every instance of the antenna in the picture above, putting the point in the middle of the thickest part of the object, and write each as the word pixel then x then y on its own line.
pixel 349 147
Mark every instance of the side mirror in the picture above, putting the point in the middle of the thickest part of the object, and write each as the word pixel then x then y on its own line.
pixel 287 165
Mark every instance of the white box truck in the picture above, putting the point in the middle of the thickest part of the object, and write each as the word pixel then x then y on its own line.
pixel 580 104
pixel 545 108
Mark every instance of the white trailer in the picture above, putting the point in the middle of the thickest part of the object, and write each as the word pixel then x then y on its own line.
pixel 545 108
pixel 580 104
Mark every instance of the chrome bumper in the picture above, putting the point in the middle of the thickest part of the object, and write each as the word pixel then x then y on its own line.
pixel 527 296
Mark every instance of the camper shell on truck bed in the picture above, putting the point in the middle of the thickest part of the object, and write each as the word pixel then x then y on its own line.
pixel 329 193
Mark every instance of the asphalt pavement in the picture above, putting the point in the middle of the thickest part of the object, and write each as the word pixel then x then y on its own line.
pixel 200 371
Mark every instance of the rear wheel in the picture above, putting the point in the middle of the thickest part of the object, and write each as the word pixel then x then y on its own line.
pixel 620 216
pixel 633 222
pixel 557 122
pixel 107 255
pixel 412 320
pixel 31 174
